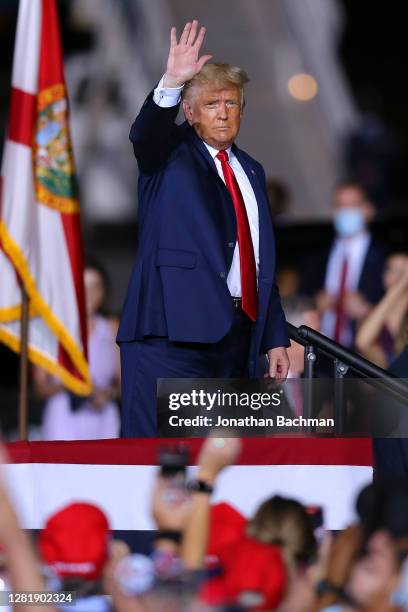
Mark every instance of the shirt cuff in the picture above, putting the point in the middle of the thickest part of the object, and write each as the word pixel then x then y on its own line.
pixel 167 96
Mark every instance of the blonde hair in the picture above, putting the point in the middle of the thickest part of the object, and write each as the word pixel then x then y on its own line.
pixel 286 524
pixel 216 74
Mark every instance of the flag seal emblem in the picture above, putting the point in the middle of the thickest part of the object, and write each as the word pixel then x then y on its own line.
pixel 55 175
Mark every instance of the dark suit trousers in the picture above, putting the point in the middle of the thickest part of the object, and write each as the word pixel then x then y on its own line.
pixel 145 361
pixel 391 455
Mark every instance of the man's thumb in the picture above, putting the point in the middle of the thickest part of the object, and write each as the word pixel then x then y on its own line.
pixel 203 60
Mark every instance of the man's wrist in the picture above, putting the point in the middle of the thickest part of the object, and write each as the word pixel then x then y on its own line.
pixel 171 82
pixel 166 96
pixel 274 348
pixel 206 476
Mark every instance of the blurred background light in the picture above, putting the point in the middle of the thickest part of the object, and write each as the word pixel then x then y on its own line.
pixel 302 87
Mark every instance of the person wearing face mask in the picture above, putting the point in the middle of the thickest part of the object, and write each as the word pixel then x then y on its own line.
pixel 346 279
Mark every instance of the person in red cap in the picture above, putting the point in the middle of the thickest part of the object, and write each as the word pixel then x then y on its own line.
pixel 75 543
pixel 254 577
pixel 263 559
pixel 254 573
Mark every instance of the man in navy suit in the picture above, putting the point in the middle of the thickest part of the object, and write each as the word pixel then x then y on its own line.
pixel 346 278
pixel 202 300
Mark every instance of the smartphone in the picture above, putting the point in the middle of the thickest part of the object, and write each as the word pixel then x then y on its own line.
pixel 173 468
pixel 173 461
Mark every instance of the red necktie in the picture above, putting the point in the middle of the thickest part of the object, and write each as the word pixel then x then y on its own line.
pixel 340 314
pixel 246 249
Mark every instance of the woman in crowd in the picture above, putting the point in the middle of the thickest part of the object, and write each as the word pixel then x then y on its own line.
pixel 384 332
pixel 265 562
pixel 286 524
pixel 66 416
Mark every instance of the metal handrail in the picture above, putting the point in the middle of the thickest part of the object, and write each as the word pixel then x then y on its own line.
pixel 343 359
pixel 333 349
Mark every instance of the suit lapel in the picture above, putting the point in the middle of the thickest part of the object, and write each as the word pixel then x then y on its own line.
pixel 266 246
pixel 266 237
pixel 251 174
pixel 365 276
pixel 218 202
pixel 200 146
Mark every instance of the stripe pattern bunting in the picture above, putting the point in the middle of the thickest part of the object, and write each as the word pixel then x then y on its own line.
pixel 118 475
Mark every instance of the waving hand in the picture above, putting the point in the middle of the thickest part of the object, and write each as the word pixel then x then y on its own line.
pixel 183 62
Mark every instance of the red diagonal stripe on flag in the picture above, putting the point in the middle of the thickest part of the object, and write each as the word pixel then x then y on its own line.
pixel 23 112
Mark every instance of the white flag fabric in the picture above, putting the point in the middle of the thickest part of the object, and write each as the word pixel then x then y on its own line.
pixel 40 240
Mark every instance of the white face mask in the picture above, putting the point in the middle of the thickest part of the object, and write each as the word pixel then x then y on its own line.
pixel 348 222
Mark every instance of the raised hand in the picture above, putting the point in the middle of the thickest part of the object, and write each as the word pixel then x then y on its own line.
pixel 216 454
pixel 183 62
pixel 169 512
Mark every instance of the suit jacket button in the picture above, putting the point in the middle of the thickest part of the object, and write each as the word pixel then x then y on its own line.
pixel 222 274
pixel 231 245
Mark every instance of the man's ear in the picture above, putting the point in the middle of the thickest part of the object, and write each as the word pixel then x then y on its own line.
pixel 188 111
pixel 242 106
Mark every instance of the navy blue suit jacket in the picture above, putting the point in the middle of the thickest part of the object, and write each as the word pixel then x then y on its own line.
pixel 370 283
pixel 178 287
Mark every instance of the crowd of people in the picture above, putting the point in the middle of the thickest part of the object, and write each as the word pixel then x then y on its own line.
pixel 358 285
pixel 204 555
pixel 355 292
pixel 210 557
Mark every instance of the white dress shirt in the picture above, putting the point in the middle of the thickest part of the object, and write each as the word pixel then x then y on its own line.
pixel 170 96
pixel 355 250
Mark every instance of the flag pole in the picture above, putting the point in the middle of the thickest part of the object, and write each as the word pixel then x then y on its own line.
pixel 23 399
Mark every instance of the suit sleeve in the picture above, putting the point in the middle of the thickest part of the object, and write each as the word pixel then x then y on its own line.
pixel 154 134
pixel 275 332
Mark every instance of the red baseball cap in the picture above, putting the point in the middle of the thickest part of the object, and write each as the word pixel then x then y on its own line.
pixel 254 576
pixel 227 527
pixel 75 540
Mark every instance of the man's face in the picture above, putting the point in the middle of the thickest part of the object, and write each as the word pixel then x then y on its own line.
pixel 353 198
pixel 94 290
pixel 215 114
pixel 352 211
